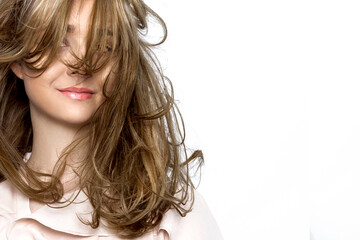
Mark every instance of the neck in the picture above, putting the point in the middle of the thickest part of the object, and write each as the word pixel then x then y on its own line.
pixel 50 138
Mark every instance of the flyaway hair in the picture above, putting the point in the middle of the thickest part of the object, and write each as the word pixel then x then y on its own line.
pixel 136 166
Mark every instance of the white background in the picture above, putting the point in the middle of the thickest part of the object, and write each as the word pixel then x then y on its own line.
pixel 269 90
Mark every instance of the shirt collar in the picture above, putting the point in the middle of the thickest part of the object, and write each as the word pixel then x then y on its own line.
pixel 68 219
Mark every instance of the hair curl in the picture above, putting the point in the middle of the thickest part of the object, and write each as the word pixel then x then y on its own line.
pixel 138 167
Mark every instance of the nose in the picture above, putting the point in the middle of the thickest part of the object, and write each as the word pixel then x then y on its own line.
pixel 73 72
pixel 75 69
pixel 78 47
pixel 75 65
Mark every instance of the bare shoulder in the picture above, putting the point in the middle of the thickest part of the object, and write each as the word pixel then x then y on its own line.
pixel 198 224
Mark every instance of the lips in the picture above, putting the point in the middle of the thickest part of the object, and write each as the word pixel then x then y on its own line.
pixel 77 93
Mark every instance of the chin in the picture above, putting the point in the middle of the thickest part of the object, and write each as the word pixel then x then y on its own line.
pixel 76 118
pixel 51 113
pixel 76 122
pixel 66 116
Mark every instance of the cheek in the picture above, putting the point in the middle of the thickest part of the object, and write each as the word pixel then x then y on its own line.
pixel 51 74
pixel 110 82
pixel 39 87
pixel 38 93
pixel 35 87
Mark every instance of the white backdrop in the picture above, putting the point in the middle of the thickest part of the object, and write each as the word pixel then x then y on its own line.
pixel 269 90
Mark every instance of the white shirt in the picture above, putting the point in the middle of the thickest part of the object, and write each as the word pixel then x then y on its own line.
pixel 17 222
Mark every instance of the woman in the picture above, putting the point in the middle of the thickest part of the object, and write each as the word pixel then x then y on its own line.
pixel 91 146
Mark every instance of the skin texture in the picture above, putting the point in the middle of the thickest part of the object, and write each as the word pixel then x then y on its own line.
pixel 130 160
pixel 45 99
pixel 55 117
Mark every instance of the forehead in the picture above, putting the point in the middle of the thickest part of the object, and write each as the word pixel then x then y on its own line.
pixel 73 28
pixel 80 16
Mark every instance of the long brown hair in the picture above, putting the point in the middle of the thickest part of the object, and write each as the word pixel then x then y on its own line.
pixel 137 167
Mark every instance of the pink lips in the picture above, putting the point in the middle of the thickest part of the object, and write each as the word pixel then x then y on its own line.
pixel 77 93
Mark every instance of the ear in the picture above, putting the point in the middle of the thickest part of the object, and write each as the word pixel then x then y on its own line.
pixel 17 69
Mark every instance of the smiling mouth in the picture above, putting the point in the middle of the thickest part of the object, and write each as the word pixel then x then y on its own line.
pixel 77 93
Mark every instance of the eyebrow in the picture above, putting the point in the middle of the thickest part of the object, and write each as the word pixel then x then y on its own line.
pixel 71 29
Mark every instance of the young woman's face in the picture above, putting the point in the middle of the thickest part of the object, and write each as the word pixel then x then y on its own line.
pixel 60 93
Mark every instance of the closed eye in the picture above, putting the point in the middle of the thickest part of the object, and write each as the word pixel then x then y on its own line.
pixel 108 48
